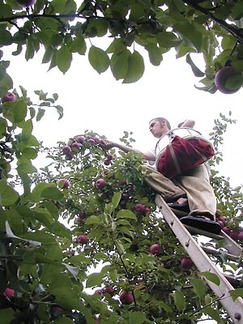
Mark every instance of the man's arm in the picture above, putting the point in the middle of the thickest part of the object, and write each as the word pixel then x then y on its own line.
pixel 107 145
pixel 187 123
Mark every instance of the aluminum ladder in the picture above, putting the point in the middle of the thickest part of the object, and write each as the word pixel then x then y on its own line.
pixel 201 260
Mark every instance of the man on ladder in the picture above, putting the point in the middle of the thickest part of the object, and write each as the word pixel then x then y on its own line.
pixel 189 194
pixel 188 204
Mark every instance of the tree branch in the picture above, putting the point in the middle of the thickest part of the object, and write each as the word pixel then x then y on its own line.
pixel 233 30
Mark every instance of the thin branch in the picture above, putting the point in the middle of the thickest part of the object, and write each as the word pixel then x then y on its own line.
pixel 233 30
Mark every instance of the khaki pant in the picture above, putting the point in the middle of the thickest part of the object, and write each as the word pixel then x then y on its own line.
pixel 195 184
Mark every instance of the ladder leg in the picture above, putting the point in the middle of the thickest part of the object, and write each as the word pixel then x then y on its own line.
pixel 203 263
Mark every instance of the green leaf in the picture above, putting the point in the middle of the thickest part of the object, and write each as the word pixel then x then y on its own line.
pixel 136 318
pixel 63 58
pixel 40 114
pixel 125 213
pixel 93 220
pixel 179 300
pixel 99 59
pixel 52 193
pixel 73 270
pixel 238 292
pixel 191 36
pixel 5 37
pixel 30 153
pixel 7 315
pixel 96 27
pixel 197 72
pixel 135 68
pixel 95 279
pixel 26 166
pixel 78 45
pixel 59 111
pixel 116 199
pixel 155 55
pixel 211 277
pixel 3 125
pixel 64 6
pixel 213 313
pixel 8 196
pixel 119 64
pixel 198 287
pixel 15 111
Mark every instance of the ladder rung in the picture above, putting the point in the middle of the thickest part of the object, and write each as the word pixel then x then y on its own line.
pixel 220 252
pixel 231 246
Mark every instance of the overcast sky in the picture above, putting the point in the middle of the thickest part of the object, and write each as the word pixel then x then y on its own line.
pixel 108 107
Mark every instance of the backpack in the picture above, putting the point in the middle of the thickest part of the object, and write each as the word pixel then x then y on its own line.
pixel 186 150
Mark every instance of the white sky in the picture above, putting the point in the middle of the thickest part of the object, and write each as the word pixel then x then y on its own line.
pixel 108 107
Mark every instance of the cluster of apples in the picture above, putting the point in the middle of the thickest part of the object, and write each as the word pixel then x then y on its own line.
pixel 236 234
pixel 82 142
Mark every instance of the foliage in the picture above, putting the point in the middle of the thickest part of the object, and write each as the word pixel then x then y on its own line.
pixel 79 231
pixel 70 245
pixel 62 29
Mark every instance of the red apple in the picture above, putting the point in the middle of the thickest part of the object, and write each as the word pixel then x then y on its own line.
pixel 100 183
pixel 234 234
pixel 221 223
pixel 240 236
pixel 91 141
pixel 26 3
pixel 224 75
pixel 187 263
pixel 80 139
pixel 75 147
pixel 64 184
pixel 9 292
pixel 67 149
pixel 56 310
pixel 82 239
pixel 226 230
pixel 222 218
pixel 9 97
pixel 155 249
pixel 109 290
pixel 140 208
pixel 107 162
pixel 109 156
pixel 79 219
pixel 126 297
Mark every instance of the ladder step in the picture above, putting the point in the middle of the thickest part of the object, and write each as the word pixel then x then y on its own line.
pixel 219 252
pixel 235 282
pixel 231 246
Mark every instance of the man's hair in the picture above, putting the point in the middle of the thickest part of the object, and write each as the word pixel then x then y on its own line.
pixel 162 119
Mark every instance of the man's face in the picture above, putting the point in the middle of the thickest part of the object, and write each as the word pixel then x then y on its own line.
pixel 157 128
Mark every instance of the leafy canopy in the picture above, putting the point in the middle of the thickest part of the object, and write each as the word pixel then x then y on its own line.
pixel 64 28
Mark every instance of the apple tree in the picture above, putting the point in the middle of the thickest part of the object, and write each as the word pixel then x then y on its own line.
pixel 84 242
pixel 81 239
pixel 129 30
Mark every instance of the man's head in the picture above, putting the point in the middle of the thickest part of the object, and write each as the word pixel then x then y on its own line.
pixel 159 126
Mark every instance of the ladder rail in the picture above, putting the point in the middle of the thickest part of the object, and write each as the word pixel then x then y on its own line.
pixel 203 263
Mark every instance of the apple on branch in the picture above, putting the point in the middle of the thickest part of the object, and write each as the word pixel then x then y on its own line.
pixel 26 3
pixel 126 297
pixel 155 249
pixel 82 239
pixel 224 80
pixel 100 183
pixel 9 97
